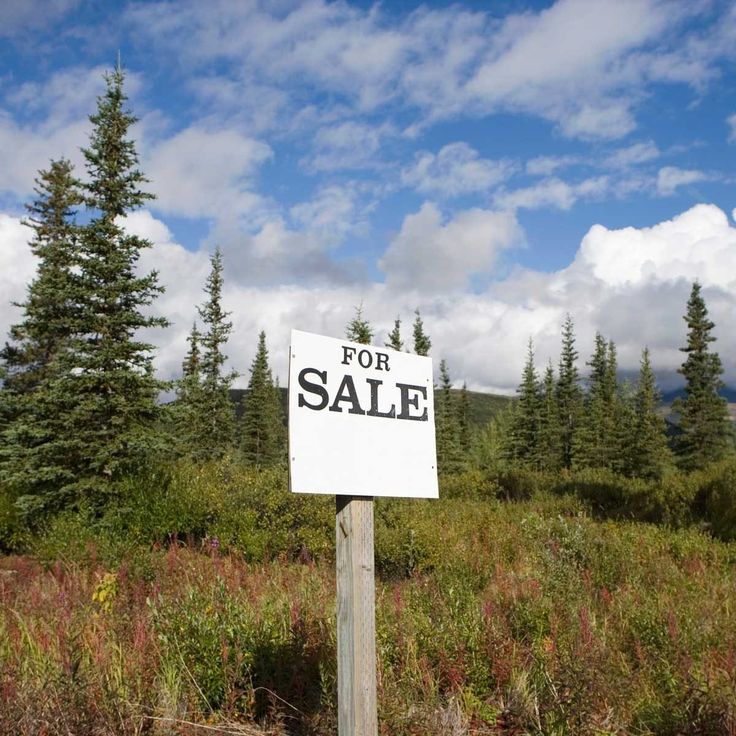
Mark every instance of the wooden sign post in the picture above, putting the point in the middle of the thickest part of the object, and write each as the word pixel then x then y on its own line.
pixel 361 424
pixel 356 617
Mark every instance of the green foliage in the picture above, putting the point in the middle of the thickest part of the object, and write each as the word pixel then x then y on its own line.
pixel 394 337
pixel 718 495
pixel 706 432
pixel 450 457
pixel 263 431
pixel 522 444
pixel 422 343
pixel 569 396
pixel 359 329
pixel 203 413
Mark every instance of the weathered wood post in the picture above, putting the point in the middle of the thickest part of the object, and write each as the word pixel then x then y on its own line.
pixel 356 618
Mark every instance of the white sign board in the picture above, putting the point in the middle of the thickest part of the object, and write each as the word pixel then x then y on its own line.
pixel 361 420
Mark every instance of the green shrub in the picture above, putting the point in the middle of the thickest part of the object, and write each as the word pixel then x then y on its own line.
pixel 719 496
pixel 469 484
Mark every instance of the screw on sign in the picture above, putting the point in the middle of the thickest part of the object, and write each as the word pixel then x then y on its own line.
pixel 361 424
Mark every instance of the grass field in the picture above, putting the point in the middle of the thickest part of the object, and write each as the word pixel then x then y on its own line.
pixel 492 618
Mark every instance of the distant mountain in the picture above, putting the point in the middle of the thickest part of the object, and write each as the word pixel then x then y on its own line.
pixel 728 393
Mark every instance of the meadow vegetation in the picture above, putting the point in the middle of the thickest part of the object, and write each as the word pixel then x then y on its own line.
pixel 207 597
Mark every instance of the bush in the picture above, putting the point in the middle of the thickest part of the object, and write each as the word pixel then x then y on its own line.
pixel 719 496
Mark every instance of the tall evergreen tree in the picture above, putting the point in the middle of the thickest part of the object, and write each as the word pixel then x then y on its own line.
pixel 596 441
pixel 569 395
pixel 449 456
pixel 422 343
pixel 463 418
pixel 214 409
pixel 523 440
pixel 647 452
pixel 394 337
pixel 706 432
pixel 111 427
pixel 48 310
pixel 359 329
pixel 264 439
pixel 31 360
pixel 549 443
pixel 186 422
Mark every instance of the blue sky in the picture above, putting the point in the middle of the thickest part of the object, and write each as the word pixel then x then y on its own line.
pixel 496 165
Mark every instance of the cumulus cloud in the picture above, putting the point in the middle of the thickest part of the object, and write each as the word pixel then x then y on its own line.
pixel 455 170
pixel 631 284
pixel 429 255
pixel 206 173
pixel 671 178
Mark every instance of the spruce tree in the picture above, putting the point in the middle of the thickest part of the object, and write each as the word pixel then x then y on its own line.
pixel 215 413
pixel 186 422
pixel 359 329
pixel 549 442
pixel 31 360
pixel 449 456
pixel 463 418
pixel 648 452
pixel 394 337
pixel 109 430
pixel 596 444
pixel 523 446
pixel 569 396
pixel 48 310
pixel 706 432
pixel 422 343
pixel 264 440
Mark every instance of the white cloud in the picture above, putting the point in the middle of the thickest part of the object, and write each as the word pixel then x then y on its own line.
pixel 581 64
pixel 548 193
pixel 347 145
pixel 731 122
pixel 637 153
pixel 206 173
pixel 455 170
pixel 547 165
pixel 31 15
pixel 631 284
pixel 428 255
pixel 670 178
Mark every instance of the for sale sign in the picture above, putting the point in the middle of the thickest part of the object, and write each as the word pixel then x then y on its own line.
pixel 361 420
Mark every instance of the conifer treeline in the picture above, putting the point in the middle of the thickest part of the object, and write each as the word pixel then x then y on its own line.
pixel 558 424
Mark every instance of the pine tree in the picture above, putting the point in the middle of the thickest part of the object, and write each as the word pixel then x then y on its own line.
pixel 569 396
pixel 648 453
pixel 449 459
pixel 596 444
pixel 706 432
pixel 109 430
pixel 264 441
pixel 214 410
pixel 48 309
pixel 186 422
pixel 31 360
pixel 549 443
pixel 463 418
pixel 394 337
pixel 523 446
pixel 422 343
pixel 359 329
